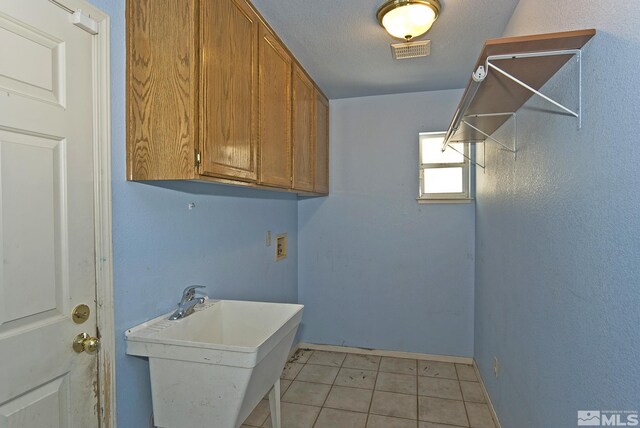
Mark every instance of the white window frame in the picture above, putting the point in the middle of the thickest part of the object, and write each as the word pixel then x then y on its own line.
pixel 463 196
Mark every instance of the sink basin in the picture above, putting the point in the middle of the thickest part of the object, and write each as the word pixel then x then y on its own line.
pixel 213 367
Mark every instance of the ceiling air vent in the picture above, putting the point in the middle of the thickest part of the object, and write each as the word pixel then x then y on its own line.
pixel 408 50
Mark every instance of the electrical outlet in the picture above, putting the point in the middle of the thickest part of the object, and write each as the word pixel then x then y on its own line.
pixel 281 247
pixel 268 238
pixel 496 366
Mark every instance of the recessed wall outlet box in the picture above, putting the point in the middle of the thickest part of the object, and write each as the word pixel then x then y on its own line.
pixel 281 247
pixel 496 366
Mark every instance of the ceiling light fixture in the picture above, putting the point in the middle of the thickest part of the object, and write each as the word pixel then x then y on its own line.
pixel 406 19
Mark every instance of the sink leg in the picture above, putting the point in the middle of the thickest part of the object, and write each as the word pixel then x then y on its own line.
pixel 274 404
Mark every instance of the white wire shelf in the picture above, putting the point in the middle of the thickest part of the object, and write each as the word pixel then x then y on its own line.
pixel 508 73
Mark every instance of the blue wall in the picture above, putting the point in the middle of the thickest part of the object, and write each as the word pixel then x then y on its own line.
pixel 557 239
pixel 160 246
pixel 558 234
pixel 376 269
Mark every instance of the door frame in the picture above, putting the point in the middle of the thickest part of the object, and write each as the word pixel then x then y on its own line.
pixel 102 209
pixel 103 221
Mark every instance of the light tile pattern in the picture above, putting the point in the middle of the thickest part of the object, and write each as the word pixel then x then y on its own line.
pixel 356 378
pixel 394 382
pixel 422 424
pixel 332 418
pixel 377 421
pixel 354 399
pixel 437 369
pixel 395 405
pixel 439 388
pixel 442 411
pixel 479 415
pixel 466 372
pixel 363 362
pixel 317 374
pixel 284 385
pixel 313 394
pixel 472 391
pixel 335 390
pixel 398 365
pixel 291 370
pixel 302 356
pixel 324 358
pixel 296 416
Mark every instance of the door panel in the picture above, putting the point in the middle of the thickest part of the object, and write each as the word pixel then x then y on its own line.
pixel 303 128
pixel 322 145
pixel 44 407
pixel 275 112
pixel 47 240
pixel 229 89
pixel 29 225
pixel 22 45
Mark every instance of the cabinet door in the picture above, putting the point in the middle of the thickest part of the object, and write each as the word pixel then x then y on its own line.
pixel 228 89
pixel 303 131
pixel 162 89
pixel 321 184
pixel 274 112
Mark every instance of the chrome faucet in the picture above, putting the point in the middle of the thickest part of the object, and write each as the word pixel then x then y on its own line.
pixel 188 302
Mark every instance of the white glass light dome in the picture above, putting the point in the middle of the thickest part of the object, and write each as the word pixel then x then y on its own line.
pixel 406 19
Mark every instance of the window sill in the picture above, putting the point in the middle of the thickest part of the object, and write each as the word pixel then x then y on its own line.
pixel 445 201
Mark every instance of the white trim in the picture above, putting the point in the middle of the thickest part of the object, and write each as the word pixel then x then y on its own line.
pixel 104 249
pixel 465 195
pixel 386 353
pixel 102 211
pixel 494 415
pixel 445 201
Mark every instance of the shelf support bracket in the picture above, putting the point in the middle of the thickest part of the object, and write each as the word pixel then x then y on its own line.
pixel 576 52
pixel 487 136
pixel 498 142
pixel 474 162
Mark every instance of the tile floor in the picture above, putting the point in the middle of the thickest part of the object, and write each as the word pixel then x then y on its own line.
pixel 334 390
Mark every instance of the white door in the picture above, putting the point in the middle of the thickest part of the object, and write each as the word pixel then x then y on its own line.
pixel 46 217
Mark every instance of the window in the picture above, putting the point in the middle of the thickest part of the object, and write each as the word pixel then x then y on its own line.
pixel 444 176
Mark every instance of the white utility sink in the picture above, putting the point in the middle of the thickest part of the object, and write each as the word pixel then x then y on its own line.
pixel 211 368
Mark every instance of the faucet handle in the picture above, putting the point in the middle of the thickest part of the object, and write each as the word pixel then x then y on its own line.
pixel 190 292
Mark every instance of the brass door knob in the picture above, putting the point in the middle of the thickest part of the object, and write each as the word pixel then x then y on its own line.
pixel 85 343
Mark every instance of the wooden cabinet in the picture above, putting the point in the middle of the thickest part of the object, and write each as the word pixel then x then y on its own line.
pixel 321 182
pixel 303 120
pixel 214 95
pixel 274 111
pixel 162 90
pixel 228 89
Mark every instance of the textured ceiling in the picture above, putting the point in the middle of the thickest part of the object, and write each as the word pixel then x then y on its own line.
pixel 342 46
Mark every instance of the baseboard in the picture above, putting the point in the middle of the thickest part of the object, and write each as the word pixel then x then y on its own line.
pixel 486 394
pixel 385 353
